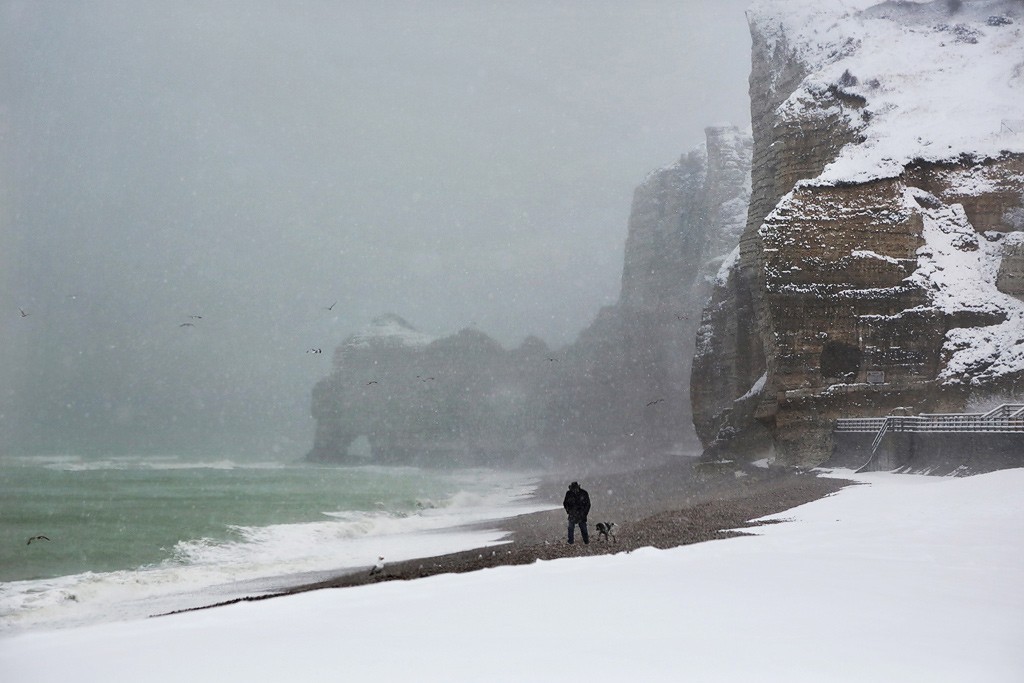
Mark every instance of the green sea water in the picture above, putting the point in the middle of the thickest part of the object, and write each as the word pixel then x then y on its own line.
pixel 115 514
pixel 129 537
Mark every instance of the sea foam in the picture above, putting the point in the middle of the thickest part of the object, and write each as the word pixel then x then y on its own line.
pixel 262 559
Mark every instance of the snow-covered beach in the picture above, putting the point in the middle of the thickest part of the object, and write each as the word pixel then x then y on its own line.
pixel 904 578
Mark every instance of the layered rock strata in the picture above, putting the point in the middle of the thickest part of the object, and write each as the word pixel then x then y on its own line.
pixel 880 264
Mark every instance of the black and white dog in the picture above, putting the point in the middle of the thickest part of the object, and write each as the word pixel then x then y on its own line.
pixel 605 529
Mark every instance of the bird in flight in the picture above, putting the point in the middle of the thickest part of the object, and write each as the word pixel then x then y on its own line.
pixel 196 317
pixel 654 402
pixel 680 316
pixel 372 381
pixel 331 307
pixel 315 350
pixel 23 313
pixel 552 360
pixel 40 537
pixel 186 325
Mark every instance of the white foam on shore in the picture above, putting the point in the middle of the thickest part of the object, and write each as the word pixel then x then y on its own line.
pixel 261 560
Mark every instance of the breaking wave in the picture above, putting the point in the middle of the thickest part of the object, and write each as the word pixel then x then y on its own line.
pixel 254 560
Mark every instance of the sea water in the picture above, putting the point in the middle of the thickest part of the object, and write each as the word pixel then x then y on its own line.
pixel 129 537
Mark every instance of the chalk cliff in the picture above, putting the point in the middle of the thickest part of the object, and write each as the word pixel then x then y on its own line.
pixel 863 251
pixel 396 395
pixel 632 366
pixel 881 262
pixel 620 390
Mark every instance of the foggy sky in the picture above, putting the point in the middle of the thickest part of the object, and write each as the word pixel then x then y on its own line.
pixel 252 162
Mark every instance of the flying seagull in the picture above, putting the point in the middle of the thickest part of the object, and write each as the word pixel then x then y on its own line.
pixel 40 537
pixel 315 350
pixel 331 307
pixel 196 317
pixel 23 313
pixel 186 325
pixel 654 402
pixel 372 381
pixel 377 568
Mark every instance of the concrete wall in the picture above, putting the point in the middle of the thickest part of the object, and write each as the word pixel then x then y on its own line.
pixel 930 453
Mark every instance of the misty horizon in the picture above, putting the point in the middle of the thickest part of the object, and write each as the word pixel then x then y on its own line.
pixel 195 195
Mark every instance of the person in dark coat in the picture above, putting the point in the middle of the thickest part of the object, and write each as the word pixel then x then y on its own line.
pixel 577 505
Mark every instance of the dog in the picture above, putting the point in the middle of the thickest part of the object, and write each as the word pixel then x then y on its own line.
pixel 605 529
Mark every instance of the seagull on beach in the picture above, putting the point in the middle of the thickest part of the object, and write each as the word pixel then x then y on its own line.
pixel 40 537
pixel 378 567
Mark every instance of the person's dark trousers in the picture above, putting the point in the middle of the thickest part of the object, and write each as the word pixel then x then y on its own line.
pixel 583 531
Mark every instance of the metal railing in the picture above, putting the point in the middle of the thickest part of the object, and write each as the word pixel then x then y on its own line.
pixel 859 424
pixel 1007 418
pixel 1008 410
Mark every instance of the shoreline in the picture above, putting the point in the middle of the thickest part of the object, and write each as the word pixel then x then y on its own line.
pixel 663 507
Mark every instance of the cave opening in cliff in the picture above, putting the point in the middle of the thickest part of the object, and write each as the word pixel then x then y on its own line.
pixel 839 359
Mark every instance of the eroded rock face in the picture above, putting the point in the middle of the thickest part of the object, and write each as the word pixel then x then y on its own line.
pixel 685 220
pixel 624 390
pixel 398 396
pixel 878 268
pixel 621 390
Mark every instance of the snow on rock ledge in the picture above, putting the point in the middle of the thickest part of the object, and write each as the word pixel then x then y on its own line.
pixel 953 87
pixel 388 330
pixel 882 263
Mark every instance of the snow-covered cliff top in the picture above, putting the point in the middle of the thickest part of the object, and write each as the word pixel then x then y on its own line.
pixel 388 330
pixel 937 79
